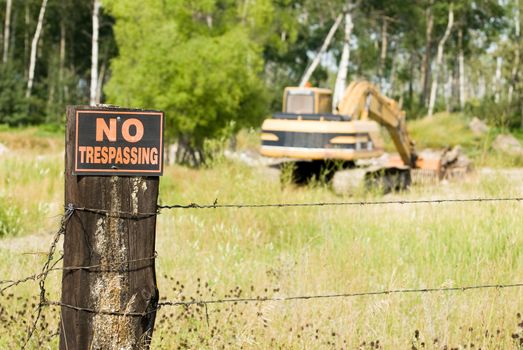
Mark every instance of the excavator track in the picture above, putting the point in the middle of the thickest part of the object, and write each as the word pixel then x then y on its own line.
pixel 381 179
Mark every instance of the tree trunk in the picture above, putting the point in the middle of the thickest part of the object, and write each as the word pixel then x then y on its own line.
pixel 341 78
pixel 244 12
pixel 517 59
pixel 461 58
pixel 482 88
pixel 323 48
pixel 425 65
pixel 497 79
pixel 99 85
pixel 411 77
pixel 61 67
pixel 34 47
pixel 448 88
pixel 27 20
pixel 383 54
pixel 94 53
pixel 7 27
pixel 439 60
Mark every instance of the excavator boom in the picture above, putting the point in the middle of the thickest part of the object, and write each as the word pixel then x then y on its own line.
pixel 363 101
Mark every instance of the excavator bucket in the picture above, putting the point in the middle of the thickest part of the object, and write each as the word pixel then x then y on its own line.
pixel 432 167
pixel 428 169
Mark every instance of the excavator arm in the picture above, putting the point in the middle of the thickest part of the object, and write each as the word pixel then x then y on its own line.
pixel 363 101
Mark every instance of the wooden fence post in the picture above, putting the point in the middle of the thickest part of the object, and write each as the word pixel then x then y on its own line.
pixel 122 247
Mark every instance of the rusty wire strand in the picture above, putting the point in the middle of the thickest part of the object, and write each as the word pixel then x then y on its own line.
pixel 70 209
pixel 216 205
pixel 45 271
pixel 117 214
pixel 324 204
pixel 13 283
pixel 99 312
pixel 290 298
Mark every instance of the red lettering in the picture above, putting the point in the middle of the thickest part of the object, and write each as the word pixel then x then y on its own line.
pixel 126 132
pixel 102 128
pixel 97 155
pixel 118 156
pixel 82 153
pixel 126 155
pixel 134 155
pixel 112 154
pixel 88 154
pixel 154 155
pixel 104 155
pixel 144 159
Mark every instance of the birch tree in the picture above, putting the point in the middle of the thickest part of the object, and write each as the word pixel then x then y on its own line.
pixel 8 7
pixel 384 47
pixel 94 54
pixel 517 49
pixel 34 47
pixel 497 79
pixel 461 63
pixel 341 77
pixel 308 73
pixel 425 65
pixel 439 61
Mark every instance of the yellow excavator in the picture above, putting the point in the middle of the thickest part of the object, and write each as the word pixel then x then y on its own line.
pixel 309 132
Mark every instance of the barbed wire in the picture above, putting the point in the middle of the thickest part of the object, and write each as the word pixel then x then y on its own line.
pixel 215 205
pixel 117 214
pixel 284 298
pixel 341 295
pixel 105 267
pixel 14 283
pixel 50 266
pixel 45 271
pixel 100 312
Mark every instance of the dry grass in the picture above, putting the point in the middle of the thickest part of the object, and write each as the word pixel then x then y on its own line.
pixel 220 253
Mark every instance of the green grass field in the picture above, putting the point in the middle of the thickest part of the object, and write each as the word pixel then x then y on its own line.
pixel 217 253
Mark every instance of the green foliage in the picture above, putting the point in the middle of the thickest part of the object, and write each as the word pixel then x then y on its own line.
pixel 13 106
pixel 213 64
pixel 503 114
pixel 203 76
pixel 59 80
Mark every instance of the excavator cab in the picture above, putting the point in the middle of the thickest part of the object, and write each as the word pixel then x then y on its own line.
pixel 307 100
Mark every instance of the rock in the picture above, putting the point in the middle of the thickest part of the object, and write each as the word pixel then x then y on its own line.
pixel 455 164
pixel 3 149
pixel 451 155
pixel 507 144
pixel 478 127
pixel 348 182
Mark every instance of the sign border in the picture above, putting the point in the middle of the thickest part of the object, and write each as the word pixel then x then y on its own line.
pixel 123 172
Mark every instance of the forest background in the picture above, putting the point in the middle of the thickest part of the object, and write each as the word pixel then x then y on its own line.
pixel 216 66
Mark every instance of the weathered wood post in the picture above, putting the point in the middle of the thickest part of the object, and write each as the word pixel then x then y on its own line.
pixel 112 162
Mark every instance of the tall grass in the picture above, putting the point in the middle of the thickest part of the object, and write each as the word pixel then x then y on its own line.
pixel 216 253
